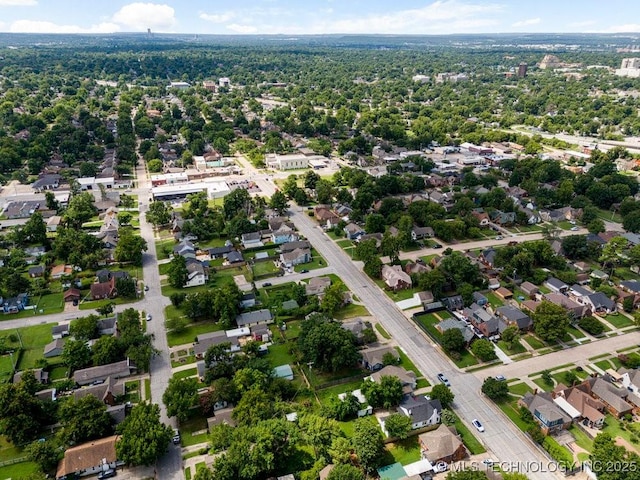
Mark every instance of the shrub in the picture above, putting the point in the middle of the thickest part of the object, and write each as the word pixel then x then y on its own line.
pixel 591 325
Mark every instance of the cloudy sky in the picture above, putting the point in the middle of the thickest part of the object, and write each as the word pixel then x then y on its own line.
pixel 294 17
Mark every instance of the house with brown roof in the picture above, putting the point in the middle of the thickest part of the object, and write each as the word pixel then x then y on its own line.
pixel 100 373
pixel 407 378
pixel 372 358
pixel 529 289
pixel 613 397
pixel 325 216
pixel 89 458
pixel 530 305
pixel 104 290
pixel 395 278
pixel 58 271
pixel 591 410
pixel 442 445
pixel 107 391
pixel 574 308
pixel 504 293
pixel 73 294
pixel 317 285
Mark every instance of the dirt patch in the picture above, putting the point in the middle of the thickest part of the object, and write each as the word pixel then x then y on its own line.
pixel 630 447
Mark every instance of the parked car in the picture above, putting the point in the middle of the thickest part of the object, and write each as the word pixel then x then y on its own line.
pixel 107 474
pixel 499 237
pixel 476 423
pixel 148 317
pixel 266 284
pixel 444 379
pixel 500 378
pixel 575 229
pixel 176 436
pixel 146 288
pixel 488 461
pixel 437 245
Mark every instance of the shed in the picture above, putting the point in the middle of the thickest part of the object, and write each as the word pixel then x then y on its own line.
pixel 283 371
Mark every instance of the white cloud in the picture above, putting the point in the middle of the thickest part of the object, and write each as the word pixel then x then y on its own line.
pixel 527 22
pixel 629 27
pixel 140 16
pixel 586 23
pixel 244 29
pixel 217 18
pixel 36 26
pixel 18 3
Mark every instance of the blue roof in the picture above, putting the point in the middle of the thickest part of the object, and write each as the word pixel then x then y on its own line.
pixel 395 471
pixel 283 371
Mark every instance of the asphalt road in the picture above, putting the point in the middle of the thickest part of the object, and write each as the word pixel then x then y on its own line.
pixel 506 442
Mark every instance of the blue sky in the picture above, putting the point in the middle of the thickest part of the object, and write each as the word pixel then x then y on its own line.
pixel 295 17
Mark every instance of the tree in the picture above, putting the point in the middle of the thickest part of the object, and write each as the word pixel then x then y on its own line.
pixel 368 444
pixel 452 340
pixel 106 309
pixel 143 438
pixel 346 409
pixel 333 299
pixel 612 251
pixel 318 433
pixel 76 354
pixel 154 165
pixel 575 247
pixel 596 226
pixel 550 321
pixel 22 415
pixel 34 231
pixel 373 267
pixel 386 393
pixel 340 450
pixel 443 393
pixel 345 472
pixel 279 202
pixel 605 453
pixel 84 419
pixel 84 328
pixel 327 345
pixel 124 218
pixel 631 221
pixel 398 425
pixel 254 406
pixel 374 223
pixel 80 209
pixel 390 247
pixel 484 350
pixel 107 349
pixel 45 454
pixel 130 247
pixel 511 336
pixel 495 389
pixel 237 202
pixel 311 179
pixel 177 272
pixel 591 325
pixel 180 396
pixel 126 287
pixel 159 213
pixel 467 475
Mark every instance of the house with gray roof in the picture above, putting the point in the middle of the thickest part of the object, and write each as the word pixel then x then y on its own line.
pixel 257 317
pixel 116 370
pixel 599 302
pixel 107 392
pixel 421 410
pixel 449 323
pixel 479 299
pixel 206 340
pixel 556 286
pixel 406 377
pixel 54 348
pixel 252 240
pixel 546 412
pixel 42 376
pixel 631 286
pixel 613 397
pixel 373 357
pixel 290 246
pixel 60 331
pixel 317 285
pixel 514 316
pixel 295 257
pixel 482 319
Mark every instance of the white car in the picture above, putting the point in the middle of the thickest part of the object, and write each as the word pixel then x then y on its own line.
pixel 476 423
pixel 148 317
pixel 574 229
pixel 440 467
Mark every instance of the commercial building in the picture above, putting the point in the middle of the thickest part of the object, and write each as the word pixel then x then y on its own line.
pixel 214 189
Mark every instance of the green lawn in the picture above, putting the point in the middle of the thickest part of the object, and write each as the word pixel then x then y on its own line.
pixel 189 334
pixel 19 470
pixel 619 320
pixel 326 394
pixel 582 439
pixel 264 269
pixel 382 331
pixel 400 294
pixel 403 451
pixel 494 300
pixel 575 332
pixel 58 372
pixel 164 248
pixel 542 384
pixel 32 339
pixel 604 364
pixel 279 354
pixel 533 341
pixel 407 364
pixel 93 304
pixel 609 215
pixel 194 424
pixel 352 310
pixel 293 329
pixel 147 389
pixel 422 383
pixel 6 368
pixel 429 321
pixel 316 262
pixel 214 242
pixel 189 372
pixel 517 348
pixel 519 388
pixel 510 409
pixel 466 360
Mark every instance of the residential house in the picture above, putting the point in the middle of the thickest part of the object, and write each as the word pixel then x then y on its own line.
pixel 479 299
pixel 530 305
pixel 529 289
pixel 377 237
pixel 353 231
pixel 407 378
pixel 257 317
pixel 493 284
pixel 480 318
pixel 15 304
pixel 47 182
pixel 613 397
pixel 395 278
pixel 325 217
pixel 283 234
pixel 37 271
pixel 251 240
pixel 546 412
pixel 599 302
pixel 220 252
pixel 532 217
pixel 591 411
pixel 420 233
pixel 221 416
pixel 291 246
pixel 35 252
pixel 317 285
pixel 54 348
pixel 582 267
pixel 413 268
pixel 206 340
pixel 453 303
pixel 107 392
pixel 372 357
pixel 630 379
pixel 556 286
pixel 442 445
pixel 450 323
pixel 502 218
pixel 197 274
pixel 295 257
pixel 58 271
pixel 42 376
pixel 53 223
pixel 88 458
pixel 100 291
pixel 426 297
pixel 185 249
pixel 631 286
pixel 488 257
pixel 236 257
pixel 108 326
pixel 248 300
pixel 116 370
pixel 60 331
pixel 421 410
pixel 504 293
pixel 574 308
pixel 355 326
pixel 514 316
pixel 71 295
pixel 482 216
pixel 600 275
pixel 260 333
pixel 105 275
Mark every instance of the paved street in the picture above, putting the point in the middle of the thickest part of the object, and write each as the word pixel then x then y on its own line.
pixel 500 436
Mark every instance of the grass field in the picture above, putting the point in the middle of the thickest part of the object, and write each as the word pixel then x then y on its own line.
pixel 19 470
pixel 316 262
pixel 189 372
pixel 6 368
pixel 469 439
pixel 534 342
pixel 265 269
pixel 350 311
pixel 619 320
pixel 189 334
pixel 382 331
pixel 403 451
pixel 32 340
pixel 517 348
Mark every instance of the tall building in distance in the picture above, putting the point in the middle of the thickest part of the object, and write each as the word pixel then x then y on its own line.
pixel 522 70
pixel 630 68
